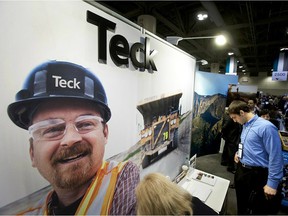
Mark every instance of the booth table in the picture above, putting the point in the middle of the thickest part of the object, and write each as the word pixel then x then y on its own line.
pixel 211 189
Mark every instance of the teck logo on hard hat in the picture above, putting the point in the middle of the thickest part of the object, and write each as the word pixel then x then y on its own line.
pixel 120 54
pixel 62 83
pixel 58 80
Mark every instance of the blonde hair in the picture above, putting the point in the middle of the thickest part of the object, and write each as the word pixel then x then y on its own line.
pixel 157 195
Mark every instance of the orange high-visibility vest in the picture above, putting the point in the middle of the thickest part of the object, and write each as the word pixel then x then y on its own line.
pixel 98 197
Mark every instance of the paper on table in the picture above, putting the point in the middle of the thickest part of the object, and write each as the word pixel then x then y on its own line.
pixel 201 191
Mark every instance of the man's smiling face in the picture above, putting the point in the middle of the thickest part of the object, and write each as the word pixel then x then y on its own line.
pixel 74 158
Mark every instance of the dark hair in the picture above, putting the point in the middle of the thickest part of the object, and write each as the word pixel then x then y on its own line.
pixel 264 112
pixel 236 106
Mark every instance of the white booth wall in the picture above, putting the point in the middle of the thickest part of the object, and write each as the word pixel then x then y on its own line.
pixel 36 31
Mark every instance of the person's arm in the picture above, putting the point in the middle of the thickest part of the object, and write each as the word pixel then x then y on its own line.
pixel 200 208
pixel 273 146
pixel 124 201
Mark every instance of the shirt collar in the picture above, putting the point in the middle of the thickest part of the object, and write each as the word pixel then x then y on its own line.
pixel 251 121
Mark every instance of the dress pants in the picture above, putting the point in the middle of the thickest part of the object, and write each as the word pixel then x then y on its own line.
pixel 249 183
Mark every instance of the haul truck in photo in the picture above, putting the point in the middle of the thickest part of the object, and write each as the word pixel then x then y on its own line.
pixel 161 122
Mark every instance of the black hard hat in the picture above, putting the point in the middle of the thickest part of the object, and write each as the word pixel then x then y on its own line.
pixel 57 79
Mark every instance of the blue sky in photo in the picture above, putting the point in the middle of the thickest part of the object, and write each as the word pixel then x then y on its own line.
pixel 212 83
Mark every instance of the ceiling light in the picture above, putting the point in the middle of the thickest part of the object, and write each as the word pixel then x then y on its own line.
pixel 219 39
pixel 203 62
pixel 202 15
pixel 230 53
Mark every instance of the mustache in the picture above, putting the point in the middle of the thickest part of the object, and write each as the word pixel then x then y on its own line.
pixel 76 150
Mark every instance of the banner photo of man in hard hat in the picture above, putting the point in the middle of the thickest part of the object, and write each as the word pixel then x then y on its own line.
pixel 91 103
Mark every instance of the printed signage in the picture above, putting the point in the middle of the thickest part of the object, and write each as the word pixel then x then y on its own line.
pixel 279 75
pixel 119 46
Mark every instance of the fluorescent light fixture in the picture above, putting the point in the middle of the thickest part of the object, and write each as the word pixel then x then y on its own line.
pixel 219 39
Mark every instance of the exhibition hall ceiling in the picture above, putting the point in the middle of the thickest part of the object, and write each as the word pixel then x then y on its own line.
pixel 256 30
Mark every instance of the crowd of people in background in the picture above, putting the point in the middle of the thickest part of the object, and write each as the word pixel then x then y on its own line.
pixel 276 107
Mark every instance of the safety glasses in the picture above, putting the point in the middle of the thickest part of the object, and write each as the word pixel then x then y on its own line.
pixel 55 129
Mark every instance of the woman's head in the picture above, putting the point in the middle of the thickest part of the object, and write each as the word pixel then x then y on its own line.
pixel 157 195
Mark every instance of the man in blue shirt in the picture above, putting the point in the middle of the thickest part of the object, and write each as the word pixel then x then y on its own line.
pixel 259 163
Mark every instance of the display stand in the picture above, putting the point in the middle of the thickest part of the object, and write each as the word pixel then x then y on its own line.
pixel 211 189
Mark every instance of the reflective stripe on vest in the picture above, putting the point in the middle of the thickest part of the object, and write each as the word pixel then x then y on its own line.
pixel 98 199
pixel 99 196
pixel 41 207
